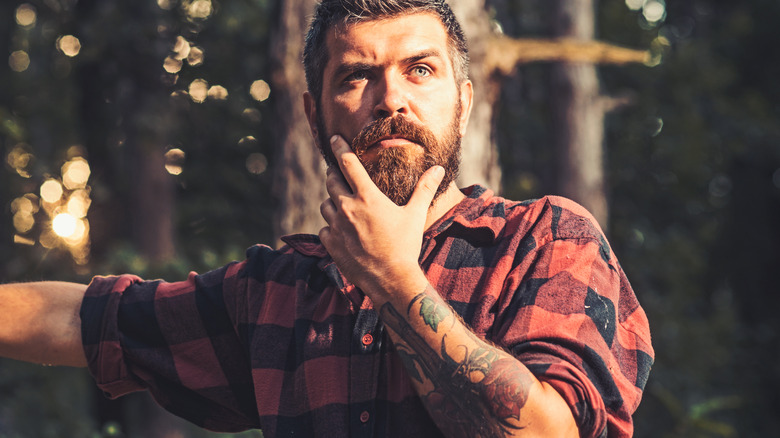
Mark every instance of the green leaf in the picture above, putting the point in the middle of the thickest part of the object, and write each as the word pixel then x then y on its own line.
pixel 432 313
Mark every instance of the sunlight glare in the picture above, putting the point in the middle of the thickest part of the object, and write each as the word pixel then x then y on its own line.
pixel 64 225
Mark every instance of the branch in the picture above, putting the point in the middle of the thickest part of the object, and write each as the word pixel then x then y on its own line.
pixel 505 53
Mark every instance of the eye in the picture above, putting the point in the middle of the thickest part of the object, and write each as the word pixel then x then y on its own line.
pixel 421 71
pixel 359 75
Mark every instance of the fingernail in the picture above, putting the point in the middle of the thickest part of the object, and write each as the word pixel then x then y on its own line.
pixel 438 171
pixel 334 139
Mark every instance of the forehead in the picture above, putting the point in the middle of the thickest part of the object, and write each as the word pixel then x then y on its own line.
pixel 387 39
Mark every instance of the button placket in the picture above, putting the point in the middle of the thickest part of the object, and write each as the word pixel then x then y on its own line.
pixel 364 370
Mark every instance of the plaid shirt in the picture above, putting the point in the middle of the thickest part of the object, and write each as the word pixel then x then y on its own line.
pixel 281 341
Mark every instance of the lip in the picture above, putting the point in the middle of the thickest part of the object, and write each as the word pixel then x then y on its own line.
pixel 392 141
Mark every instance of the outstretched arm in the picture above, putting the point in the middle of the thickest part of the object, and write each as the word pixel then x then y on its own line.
pixel 39 322
pixel 470 388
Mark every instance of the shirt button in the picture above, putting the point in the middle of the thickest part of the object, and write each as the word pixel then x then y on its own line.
pixel 364 416
pixel 367 340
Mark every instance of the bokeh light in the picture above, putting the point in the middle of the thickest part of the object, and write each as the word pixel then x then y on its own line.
pixel 23 222
pixel 19 61
pixel 51 191
pixel 64 225
pixel 19 159
pixel 248 141
pixel 165 4
pixel 195 57
pixel 26 15
pixel 69 45
pixel 199 90
pixel 635 5
pixel 75 173
pixel 654 11
pixel 252 115
pixel 181 48
pixel 260 90
pixel 218 92
pixel 256 163
pixel 172 65
pixel 174 161
pixel 198 9
pixel 78 204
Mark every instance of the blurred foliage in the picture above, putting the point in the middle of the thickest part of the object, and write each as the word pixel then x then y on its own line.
pixel 693 165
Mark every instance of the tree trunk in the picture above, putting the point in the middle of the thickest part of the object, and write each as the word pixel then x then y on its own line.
pixel 299 178
pixel 577 114
pixel 126 119
pixel 479 163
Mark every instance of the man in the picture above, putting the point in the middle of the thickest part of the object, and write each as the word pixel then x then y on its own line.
pixel 420 310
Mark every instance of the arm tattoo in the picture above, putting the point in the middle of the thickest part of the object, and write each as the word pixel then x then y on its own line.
pixel 487 384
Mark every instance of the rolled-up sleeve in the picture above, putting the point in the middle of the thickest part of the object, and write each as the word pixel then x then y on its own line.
pixel 573 319
pixel 176 340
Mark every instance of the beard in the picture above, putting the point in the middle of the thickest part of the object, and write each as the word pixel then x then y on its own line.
pixel 396 170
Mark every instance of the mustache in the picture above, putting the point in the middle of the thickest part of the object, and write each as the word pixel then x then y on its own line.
pixel 392 126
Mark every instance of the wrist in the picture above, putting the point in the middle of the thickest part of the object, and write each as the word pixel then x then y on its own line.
pixel 398 287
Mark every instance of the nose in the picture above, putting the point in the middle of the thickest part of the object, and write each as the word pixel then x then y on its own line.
pixel 391 97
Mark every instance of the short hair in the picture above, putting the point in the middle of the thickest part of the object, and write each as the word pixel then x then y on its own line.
pixel 331 13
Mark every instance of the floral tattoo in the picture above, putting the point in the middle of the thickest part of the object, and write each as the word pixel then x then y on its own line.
pixel 486 384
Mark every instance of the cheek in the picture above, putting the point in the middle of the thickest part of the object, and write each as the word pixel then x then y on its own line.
pixel 346 117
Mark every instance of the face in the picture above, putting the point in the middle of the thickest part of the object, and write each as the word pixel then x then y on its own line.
pixel 389 89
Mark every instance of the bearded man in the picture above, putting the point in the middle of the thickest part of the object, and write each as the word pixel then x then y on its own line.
pixel 419 310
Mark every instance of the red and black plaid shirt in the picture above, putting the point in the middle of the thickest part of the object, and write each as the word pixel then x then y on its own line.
pixel 282 342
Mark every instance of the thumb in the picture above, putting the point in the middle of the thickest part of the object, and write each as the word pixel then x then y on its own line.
pixel 426 188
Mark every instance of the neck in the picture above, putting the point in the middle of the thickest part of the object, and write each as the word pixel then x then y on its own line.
pixel 444 203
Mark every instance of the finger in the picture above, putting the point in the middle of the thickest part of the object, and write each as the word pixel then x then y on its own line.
pixel 328 211
pixel 325 236
pixel 351 167
pixel 426 188
pixel 335 184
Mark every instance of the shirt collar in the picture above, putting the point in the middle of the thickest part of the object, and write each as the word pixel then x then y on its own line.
pixel 479 210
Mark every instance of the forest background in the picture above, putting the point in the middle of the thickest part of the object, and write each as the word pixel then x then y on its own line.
pixel 159 137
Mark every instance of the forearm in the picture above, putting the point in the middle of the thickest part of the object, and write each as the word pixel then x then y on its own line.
pixel 470 388
pixel 40 323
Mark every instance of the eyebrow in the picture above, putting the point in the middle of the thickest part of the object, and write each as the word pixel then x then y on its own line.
pixel 350 67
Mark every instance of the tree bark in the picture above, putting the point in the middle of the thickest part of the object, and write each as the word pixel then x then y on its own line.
pixel 479 163
pixel 577 114
pixel 299 170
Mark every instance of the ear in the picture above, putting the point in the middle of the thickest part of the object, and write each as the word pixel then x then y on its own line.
pixel 466 103
pixel 310 107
